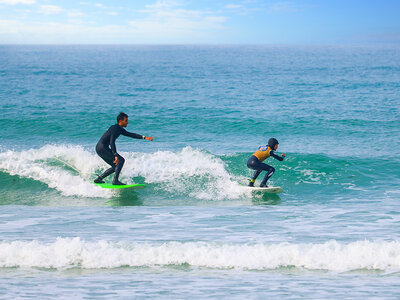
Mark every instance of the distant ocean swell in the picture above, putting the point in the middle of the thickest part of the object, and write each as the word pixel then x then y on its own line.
pixel 193 172
pixel 67 253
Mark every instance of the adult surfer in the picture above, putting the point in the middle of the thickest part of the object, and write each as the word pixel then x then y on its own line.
pixel 106 149
pixel 255 162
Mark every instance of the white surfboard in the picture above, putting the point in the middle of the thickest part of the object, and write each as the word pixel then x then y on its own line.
pixel 268 189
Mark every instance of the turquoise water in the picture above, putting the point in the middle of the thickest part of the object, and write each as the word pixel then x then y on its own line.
pixel 195 231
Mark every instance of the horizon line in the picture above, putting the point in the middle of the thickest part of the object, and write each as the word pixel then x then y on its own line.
pixel 210 44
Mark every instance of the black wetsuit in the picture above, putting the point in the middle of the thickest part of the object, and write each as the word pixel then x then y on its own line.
pixel 255 164
pixel 106 149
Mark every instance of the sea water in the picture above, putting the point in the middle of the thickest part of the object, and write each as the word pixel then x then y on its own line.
pixel 195 231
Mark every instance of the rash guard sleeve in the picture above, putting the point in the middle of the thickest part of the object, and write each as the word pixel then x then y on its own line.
pixel 272 153
pixel 131 134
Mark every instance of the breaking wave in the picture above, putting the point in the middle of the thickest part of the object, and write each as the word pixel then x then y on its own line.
pixel 67 253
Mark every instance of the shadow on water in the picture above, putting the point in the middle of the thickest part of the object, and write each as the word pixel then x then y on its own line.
pixel 266 199
pixel 125 198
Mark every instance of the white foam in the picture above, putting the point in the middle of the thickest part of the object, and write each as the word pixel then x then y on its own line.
pixel 67 253
pixel 36 164
pixel 190 172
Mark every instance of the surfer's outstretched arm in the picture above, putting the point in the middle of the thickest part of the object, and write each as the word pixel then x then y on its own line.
pixel 280 158
pixel 136 136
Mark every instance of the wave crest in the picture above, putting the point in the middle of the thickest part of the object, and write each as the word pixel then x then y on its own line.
pixel 67 253
pixel 70 169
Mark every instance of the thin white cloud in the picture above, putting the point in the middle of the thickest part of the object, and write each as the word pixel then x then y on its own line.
pixel 233 6
pixel 9 27
pixel 164 4
pixel 75 14
pixel 170 20
pixel 112 13
pixel 160 22
pixel 72 32
pixel 75 21
pixel 245 8
pixel 14 2
pixel 13 31
pixel 169 9
pixel 284 7
pixel 50 9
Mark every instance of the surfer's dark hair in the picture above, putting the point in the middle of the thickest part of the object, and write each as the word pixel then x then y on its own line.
pixel 121 116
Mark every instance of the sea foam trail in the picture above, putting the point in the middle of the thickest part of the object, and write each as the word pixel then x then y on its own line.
pixel 44 165
pixel 189 172
pixel 67 253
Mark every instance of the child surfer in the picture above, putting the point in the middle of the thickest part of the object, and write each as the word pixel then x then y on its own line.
pixel 255 162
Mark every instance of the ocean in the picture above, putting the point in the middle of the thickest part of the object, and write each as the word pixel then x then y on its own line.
pixel 195 231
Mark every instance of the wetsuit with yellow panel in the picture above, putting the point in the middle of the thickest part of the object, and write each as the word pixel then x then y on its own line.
pixel 255 162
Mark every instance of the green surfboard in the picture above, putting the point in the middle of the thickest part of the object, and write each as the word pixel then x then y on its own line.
pixel 127 186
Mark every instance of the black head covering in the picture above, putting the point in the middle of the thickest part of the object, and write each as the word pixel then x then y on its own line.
pixel 272 142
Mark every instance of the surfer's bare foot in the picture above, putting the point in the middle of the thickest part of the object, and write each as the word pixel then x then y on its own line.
pixel 117 182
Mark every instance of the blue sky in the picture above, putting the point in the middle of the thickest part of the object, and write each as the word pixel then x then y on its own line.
pixel 200 22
